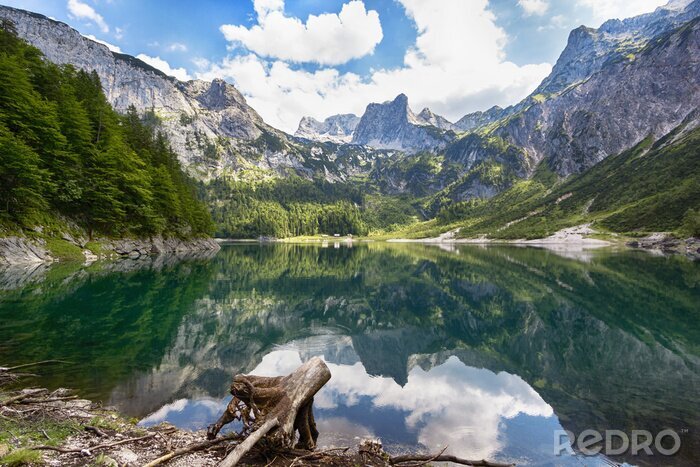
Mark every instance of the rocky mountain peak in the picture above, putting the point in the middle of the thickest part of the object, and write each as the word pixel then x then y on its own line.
pixel 220 95
pixel 430 118
pixel 336 129
pixel 392 125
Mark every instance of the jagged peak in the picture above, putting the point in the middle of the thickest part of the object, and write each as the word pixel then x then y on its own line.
pixel 426 113
pixel 401 98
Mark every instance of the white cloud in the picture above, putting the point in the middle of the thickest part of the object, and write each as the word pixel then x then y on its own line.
pixel 534 7
pixel 112 47
pixel 201 63
pixel 162 65
pixel 118 33
pixel 177 47
pixel 457 65
pixel 607 9
pixel 328 39
pixel 84 11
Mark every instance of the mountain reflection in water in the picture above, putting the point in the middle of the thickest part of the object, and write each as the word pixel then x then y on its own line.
pixel 487 350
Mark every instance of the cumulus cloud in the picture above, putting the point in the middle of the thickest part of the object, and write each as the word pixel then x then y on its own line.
pixel 112 47
pixel 162 65
pixel 606 9
pixel 534 7
pixel 457 65
pixel 328 39
pixel 84 11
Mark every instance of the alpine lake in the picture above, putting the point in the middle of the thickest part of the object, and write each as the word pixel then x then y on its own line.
pixel 491 351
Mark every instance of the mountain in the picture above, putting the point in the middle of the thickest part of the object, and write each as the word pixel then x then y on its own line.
pixel 335 129
pixel 633 80
pixel 612 88
pixel 392 125
pixel 210 125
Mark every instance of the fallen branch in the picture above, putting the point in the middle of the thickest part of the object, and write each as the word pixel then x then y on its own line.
pixel 427 461
pixel 192 448
pixel 241 450
pixel 87 451
pixel 25 395
pixel 445 458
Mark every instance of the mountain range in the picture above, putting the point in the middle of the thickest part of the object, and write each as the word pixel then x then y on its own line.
pixel 611 89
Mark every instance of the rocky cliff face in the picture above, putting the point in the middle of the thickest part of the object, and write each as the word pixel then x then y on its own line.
pixel 392 125
pixel 589 50
pixel 335 129
pixel 642 95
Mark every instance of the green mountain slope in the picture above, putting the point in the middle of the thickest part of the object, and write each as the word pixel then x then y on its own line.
pixel 67 156
pixel 652 187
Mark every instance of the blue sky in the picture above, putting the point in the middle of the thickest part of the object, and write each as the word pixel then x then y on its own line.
pixel 319 57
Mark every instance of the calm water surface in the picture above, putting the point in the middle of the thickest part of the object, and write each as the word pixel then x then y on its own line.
pixel 487 350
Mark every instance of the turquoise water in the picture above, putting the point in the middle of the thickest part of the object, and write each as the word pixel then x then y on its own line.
pixel 490 351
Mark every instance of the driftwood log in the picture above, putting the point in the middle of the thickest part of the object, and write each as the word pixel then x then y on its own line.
pixel 274 407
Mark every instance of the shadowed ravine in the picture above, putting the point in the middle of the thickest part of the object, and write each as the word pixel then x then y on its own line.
pixel 488 350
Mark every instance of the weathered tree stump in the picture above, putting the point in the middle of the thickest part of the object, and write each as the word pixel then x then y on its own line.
pixel 278 406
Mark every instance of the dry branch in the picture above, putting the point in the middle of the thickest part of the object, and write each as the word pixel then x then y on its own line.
pixel 242 449
pixel 192 448
pixel 87 451
pixel 25 395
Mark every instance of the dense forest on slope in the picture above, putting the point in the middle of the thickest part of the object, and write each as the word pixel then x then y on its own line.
pixel 653 187
pixel 67 154
pixel 294 206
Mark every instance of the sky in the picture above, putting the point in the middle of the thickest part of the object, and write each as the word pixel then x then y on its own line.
pixel 296 58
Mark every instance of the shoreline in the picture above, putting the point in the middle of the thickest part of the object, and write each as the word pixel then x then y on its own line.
pixel 574 239
pixel 26 251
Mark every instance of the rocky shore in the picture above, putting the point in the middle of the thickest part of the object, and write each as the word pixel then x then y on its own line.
pixel 16 250
pixel 58 428
pixel 665 244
